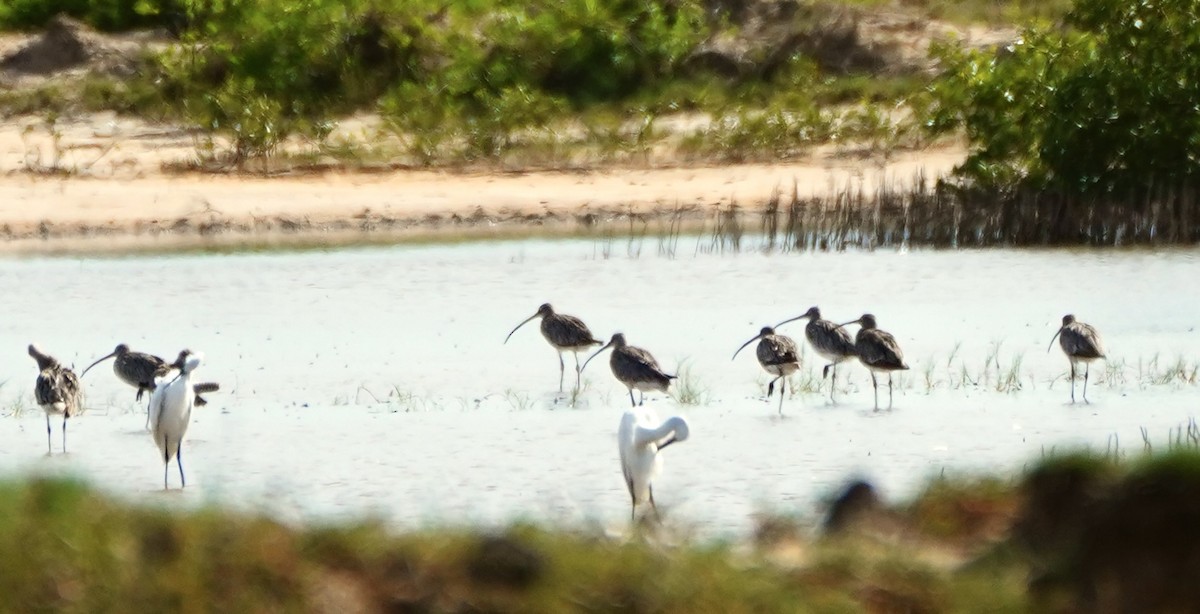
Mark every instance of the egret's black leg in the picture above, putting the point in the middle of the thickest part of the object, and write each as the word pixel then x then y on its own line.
pixel 166 459
pixel 179 461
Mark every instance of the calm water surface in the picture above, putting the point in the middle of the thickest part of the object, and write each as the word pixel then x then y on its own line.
pixel 376 381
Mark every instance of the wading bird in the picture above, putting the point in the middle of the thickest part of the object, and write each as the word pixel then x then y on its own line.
pixel 878 351
pixel 634 367
pixel 831 342
pixel 199 389
pixel 566 333
pixel 639 439
pixel 138 369
pixel 57 391
pixel 777 355
pixel 171 411
pixel 1081 343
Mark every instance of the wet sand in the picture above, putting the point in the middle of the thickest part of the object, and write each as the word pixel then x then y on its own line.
pixel 115 195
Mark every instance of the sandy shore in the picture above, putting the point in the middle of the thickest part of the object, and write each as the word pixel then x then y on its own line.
pixel 115 196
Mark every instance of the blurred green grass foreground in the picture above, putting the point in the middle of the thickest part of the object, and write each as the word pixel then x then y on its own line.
pixel 1076 533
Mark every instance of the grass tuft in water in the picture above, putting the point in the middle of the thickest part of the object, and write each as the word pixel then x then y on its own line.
pixel 689 390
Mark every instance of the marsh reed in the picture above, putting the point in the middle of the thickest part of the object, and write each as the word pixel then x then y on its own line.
pixel 926 213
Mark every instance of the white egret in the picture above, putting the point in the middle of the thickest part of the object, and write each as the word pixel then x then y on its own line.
pixel 639 439
pixel 171 411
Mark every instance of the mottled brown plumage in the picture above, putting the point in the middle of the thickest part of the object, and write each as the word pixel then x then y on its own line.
pixel 57 391
pixel 566 334
pixel 831 342
pixel 634 367
pixel 877 350
pixel 1082 344
pixel 777 355
pixel 138 369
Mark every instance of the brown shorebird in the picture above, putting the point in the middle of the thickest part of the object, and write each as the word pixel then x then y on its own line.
pixel 831 342
pixel 138 369
pixel 566 333
pixel 777 355
pixel 634 367
pixel 57 392
pixel 878 351
pixel 1081 343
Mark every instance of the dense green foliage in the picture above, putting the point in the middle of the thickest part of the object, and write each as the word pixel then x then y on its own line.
pixel 1107 104
pixel 102 14
pixel 473 72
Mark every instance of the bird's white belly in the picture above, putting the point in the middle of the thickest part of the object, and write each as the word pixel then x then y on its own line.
pixel 831 357
pixel 171 411
pixel 783 370
pixel 645 464
pixel 646 386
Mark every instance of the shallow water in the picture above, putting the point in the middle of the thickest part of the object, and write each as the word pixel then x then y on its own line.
pixel 376 381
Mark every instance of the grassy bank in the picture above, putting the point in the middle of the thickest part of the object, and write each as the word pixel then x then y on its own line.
pixel 1075 533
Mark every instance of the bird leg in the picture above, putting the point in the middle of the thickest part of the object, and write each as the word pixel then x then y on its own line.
pixel 782 392
pixel 562 369
pixel 654 507
pixel 1087 367
pixel 179 461
pixel 49 447
pixel 825 371
pixel 889 390
pixel 578 373
pixel 148 402
pixel 1072 381
pixel 641 397
pixel 875 385
pixel 771 387
pixel 832 381
pixel 166 459
pixel 65 416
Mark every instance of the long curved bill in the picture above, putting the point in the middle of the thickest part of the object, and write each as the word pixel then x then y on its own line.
pixel 519 326
pixel 1051 346
pixel 799 317
pixel 752 340
pixel 858 321
pixel 96 363
pixel 585 363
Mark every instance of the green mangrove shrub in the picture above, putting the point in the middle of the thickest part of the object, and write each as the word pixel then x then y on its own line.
pixel 1105 104
pixel 112 15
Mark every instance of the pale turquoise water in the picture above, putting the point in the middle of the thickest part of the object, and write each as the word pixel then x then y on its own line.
pixel 377 381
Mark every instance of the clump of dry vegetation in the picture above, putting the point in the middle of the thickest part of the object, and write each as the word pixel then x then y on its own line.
pixel 1077 533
